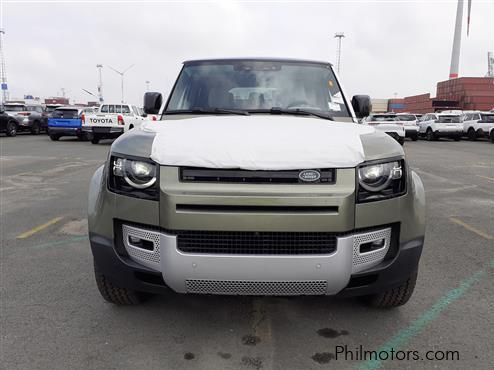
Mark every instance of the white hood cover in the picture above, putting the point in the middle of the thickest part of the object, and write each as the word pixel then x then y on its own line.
pixel 257 142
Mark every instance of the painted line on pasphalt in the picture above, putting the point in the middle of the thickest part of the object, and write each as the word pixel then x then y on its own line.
pixel 471 228
pixel 486 177
pixel 61 242
pixel 400 339
pixel 36 229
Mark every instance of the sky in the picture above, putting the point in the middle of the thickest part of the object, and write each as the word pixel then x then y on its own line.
pixel 391 48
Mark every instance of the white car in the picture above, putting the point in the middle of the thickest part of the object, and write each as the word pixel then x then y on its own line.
pixel 470 120
pixel 410 123
pixel 485 126
pixel 389 123
pixel 437 125
pixel 111 121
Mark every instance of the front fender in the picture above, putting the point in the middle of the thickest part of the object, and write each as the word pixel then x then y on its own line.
pixel 419 205
pixel 96 198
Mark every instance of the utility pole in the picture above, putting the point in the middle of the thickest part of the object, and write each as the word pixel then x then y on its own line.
pixel 100 83
pixel 3 71
pixel 122 74
pixel 63 92
pixel 490 64
pixel 147 85
pixel 339 36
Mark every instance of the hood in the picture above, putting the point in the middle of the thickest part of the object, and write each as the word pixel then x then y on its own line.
pixel 257 142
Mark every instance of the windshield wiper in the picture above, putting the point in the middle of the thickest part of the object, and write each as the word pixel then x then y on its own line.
pixel 208 111
pixel 295 111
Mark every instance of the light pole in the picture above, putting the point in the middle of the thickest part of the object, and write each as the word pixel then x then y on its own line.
pixel 122 74
pixel 339 36
pixel 100 83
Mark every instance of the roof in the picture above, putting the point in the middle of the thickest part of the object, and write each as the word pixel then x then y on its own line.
pixel 254 59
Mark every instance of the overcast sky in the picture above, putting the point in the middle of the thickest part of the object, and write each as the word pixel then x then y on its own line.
pixel 401 47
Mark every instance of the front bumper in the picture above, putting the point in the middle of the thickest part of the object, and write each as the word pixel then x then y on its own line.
pixel 341 273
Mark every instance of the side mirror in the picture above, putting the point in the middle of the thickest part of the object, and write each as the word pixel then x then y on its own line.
pixel 144 115
pixel 361 105
pixel 152 102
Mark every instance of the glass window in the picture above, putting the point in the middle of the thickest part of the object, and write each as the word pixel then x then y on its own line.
pixel 258 85
pixel 104 109
pixel 65 113
pixel 14 108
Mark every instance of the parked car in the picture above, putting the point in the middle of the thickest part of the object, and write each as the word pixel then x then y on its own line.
pixel 470 120
pixel 410 123
pixel 485 126
pixel 434 126
pixel 8 124
pixel 29 117
pixel 67 121
pixel 111 121
pixel 388 123
pixel 280 192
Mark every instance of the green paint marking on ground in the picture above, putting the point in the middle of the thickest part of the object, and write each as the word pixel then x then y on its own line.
pixel 404 335
pixel 61 242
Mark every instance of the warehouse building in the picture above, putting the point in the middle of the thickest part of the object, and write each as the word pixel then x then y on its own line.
pixel 464 93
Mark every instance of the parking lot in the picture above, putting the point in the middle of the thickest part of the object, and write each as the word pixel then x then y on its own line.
pixel 52 315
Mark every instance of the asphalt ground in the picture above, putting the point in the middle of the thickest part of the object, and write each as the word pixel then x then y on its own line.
pixel 52 316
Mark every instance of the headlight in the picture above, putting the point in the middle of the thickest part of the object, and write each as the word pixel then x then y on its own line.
pixel 133 177
pixel 381 180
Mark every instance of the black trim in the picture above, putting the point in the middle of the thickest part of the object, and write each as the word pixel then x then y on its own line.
pixel 255 209
pixel 239 176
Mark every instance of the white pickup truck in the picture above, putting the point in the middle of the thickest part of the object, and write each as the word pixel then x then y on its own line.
pixel 111 121
pixel 388 123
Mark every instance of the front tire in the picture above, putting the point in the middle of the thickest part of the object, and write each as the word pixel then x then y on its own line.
pixel 11 129
pixel 114 294
pixel 492 136
pixel 472 135
pixel 394 297
pixel 54 137
pixel 429 135
pixel 415 137
pixel 95 139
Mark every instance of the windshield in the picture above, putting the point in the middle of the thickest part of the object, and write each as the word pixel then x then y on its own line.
pixel 406 117
pixel 449 119
pixel 386 118
pixel 65 113
pixel 252 86
pixel 15 108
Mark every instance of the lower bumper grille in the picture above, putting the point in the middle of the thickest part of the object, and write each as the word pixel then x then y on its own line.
pixel 316 287
pixel 259 243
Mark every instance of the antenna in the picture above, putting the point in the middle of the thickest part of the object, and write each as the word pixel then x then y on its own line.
pixel 122 74
pixel 3 71
pixel 339 36
pixel 100 83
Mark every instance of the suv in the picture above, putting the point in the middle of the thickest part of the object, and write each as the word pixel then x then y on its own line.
pixel 257 180
pixel 8 124
pixel 389 123
pixel 437 125
pixel 410 124
pixel 67 121
pixel 29 117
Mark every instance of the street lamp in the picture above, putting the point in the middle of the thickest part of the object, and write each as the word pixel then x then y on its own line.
pixel 122 74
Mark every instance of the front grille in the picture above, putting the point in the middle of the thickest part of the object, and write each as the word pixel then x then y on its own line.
pixel 312 287
pixel 260 243
pixel 192 174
